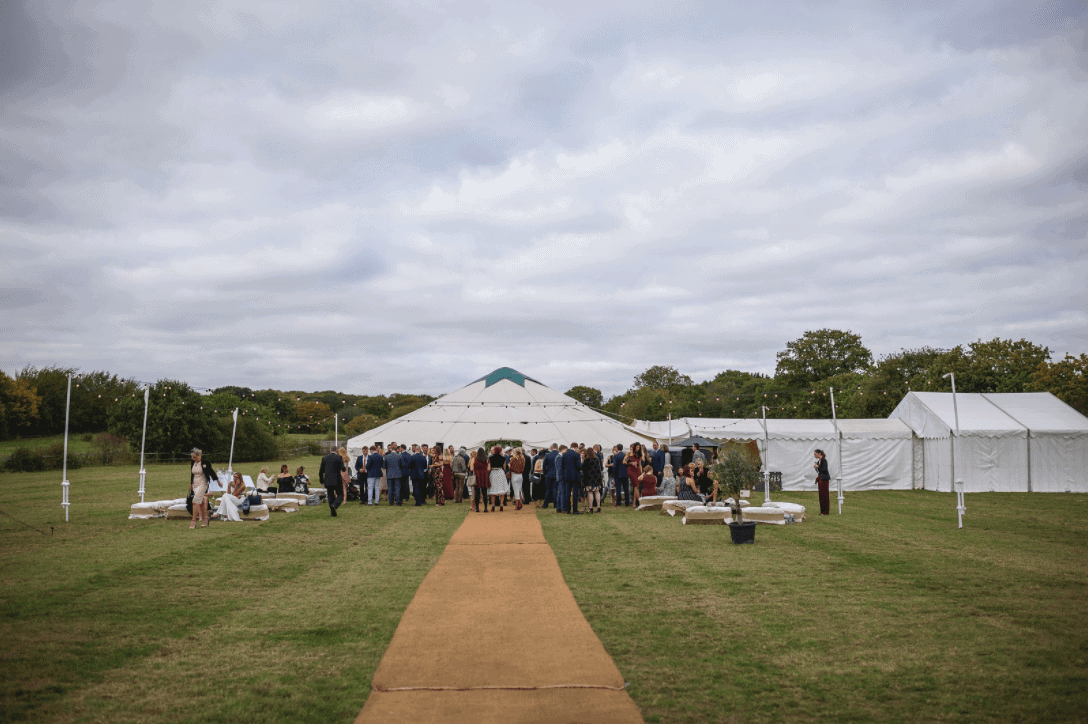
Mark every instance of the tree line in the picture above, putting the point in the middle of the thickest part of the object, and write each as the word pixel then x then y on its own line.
pixel 864 387
pixel 32 403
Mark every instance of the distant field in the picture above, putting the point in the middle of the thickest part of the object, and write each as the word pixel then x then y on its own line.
pixel 75 444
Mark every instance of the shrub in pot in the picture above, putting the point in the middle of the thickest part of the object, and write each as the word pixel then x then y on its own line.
pixel 735 471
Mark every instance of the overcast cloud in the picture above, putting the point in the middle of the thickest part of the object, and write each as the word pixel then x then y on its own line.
pixel 378 197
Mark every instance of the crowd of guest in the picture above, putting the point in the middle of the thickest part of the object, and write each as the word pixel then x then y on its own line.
pixel 572 478
pixel 565 477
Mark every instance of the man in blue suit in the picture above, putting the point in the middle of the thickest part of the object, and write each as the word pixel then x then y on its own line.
pixel 550 480
pixel 395 465
pixel 572 478
pixel 619 472
pixel 374 464
pixel 360 475
pixel 562 499
pixel 417 470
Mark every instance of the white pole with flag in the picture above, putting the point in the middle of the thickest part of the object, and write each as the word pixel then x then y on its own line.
pixel 230 462
pixel 838 439
pixel 64 484
pixel 143 444
pixel 336 430
pixel 957 474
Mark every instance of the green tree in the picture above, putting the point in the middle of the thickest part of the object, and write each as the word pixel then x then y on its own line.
pixel 822 354
pixel 659 377
pixel 176 420
pixel 1066 379
pixel 19 403
pixel 51 385
pixel 589 396
pixel 361 423
pixel 1002 365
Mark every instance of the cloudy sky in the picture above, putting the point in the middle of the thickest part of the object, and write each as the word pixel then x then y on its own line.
pixel 403 196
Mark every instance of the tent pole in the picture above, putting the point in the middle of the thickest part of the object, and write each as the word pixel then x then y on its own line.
pixel 143 445
pixel 957 476
pixel 65 485
pixel 838 439
pixel 230 462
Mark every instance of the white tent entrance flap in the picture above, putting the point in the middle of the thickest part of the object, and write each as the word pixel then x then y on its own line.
pixel 504 405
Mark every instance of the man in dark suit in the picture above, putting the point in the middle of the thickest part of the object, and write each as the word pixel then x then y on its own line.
pixel 619 472
pixel 329 474
pixel 417 470
pixel 572 479
pixel 550 477
pixel 657 461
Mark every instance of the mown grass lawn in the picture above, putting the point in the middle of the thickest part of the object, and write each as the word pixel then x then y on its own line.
pixel 105 619
pixel 886 613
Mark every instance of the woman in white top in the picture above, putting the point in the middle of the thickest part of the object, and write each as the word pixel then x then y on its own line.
pixel 263 480
pixel 228 504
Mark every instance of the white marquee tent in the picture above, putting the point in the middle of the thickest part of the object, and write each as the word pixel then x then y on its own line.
pixel 877 454
pixel 1012 442
pixel 1057 440
pixel 504 405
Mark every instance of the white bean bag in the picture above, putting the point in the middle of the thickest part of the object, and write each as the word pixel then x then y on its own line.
pixel 178 512
pixel 141 511
pixel 256 512
pixel 300 497
pixel 706 515
pixel 766 514
pixel 653 502
pixel 794 509
pixel 672 507
pixel 281 505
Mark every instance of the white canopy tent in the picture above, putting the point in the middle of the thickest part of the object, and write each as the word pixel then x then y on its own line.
pixel 504 405
pixel 993 445
pixel 876 453
pixel 1057 444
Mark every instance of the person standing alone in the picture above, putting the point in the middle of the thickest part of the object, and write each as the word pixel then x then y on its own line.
pixel 823 482
pixel 329 474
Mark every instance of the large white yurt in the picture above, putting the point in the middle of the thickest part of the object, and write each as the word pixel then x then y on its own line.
pixel 504 405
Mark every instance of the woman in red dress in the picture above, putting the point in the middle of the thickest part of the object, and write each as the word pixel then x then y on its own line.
pixel 634 462
pixel 447 475
pixel 480 467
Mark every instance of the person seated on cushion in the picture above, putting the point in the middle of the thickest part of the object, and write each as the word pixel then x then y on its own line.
pixel 228 504
pixel 708 487
pixel 647 482
pixel 668 482
pixel 285 480
pixel 263 480
pixel 686 487
pixel 302 481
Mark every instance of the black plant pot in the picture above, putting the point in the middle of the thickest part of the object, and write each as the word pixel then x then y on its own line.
pixel 743 532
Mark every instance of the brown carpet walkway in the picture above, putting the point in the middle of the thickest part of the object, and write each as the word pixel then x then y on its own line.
pixel 458 657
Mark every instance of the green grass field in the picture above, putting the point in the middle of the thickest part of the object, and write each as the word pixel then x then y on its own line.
pixel 887 613
pixel 76 444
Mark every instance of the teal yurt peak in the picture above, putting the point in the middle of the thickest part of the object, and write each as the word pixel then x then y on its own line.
pixel 506 373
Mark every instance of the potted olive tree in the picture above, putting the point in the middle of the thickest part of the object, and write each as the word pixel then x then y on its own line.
pixel 735 470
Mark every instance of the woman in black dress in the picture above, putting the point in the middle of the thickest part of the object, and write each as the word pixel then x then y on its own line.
pixel 823 482
pixel 591 479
